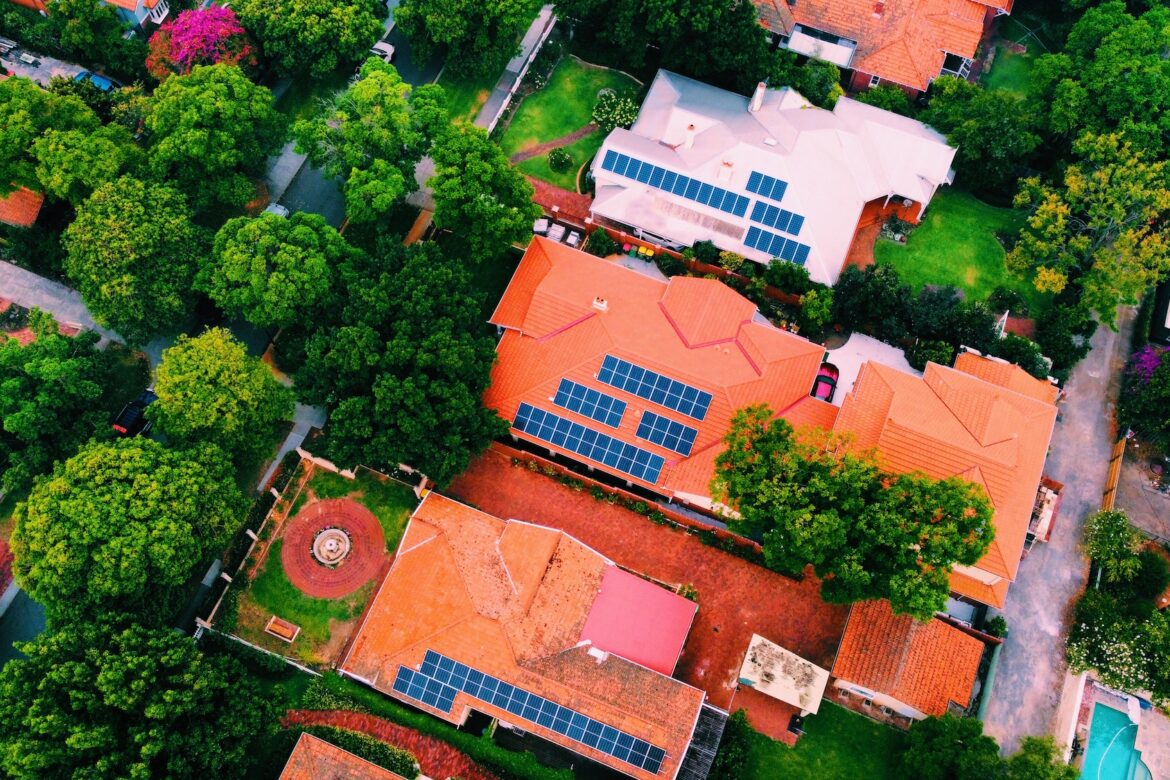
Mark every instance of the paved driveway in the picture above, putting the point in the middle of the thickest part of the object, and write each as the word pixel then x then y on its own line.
pixel 1027 688
pixel 28 289
pixel 42 70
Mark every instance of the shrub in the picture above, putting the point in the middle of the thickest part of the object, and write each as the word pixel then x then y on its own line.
pixel 373 750
pixel 888 97
pixel 706 252
pixel 669 265
pixel 1024 353
pixel 732 261
pixel 997 627
pixel 731 762
pixel 923 352
pixel 288 467
pixel 789 277
pixel 560 160
pixel 614 110
pixel 1005 299
pixel 599 243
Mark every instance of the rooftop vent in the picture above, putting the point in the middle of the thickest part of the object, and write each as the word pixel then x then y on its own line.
pixel 757 101
pixel 601 304
pixel 689 141
pixel 769 141
pixel 878 7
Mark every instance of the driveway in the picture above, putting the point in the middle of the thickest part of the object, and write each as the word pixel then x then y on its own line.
pixel 27 289
pixel 43 68
pixel 1028 685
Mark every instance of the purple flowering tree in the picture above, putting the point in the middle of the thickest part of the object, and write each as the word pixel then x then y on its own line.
pixel 204 36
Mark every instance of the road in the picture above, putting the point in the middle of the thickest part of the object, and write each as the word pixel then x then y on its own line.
pixel 27 289
pixel 1027 688
pixel 44 68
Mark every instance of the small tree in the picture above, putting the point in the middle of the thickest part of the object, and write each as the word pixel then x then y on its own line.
pixel 1025 353
pixel 1113 543
pixel 923 352
pixel 313 37
pixel 950 748
pixel 599 243
pixel 560 160
pixel 201 36
pixel 816 311
pixel 889 98
pixel 1039 758
pixel 614 110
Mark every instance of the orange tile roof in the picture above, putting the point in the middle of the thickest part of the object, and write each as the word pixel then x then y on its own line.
pixel 316 759
pixel 925 665
pixel 21 207
pixel 1008 375
pixel 698 331
pixel 906 42
pixel 511 599
pixel 952 423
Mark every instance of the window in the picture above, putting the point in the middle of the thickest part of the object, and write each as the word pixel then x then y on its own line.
pixel 867 703
pixel 874 81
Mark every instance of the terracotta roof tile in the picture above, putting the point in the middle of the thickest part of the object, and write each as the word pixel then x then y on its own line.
pixel 1007 375
pixel 21 207
pixel 925 665
pixel 511 599
pixel 316 759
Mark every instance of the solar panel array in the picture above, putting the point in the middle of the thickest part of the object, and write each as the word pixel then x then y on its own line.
pixel 446 674
pixel 766 186
pixel 665 432
pixel 675 183
pixel 781 219
pixel 776 245
pixel 654 387
pixel 589 443
pixel 592 403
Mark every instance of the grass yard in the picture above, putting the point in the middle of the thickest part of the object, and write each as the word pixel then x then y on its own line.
pixel 391 502
pixel 836 743
pixel 466 97
pixel 564 106
pixel 1010 72
pixel 956 245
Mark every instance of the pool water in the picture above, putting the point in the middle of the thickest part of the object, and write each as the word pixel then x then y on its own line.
pixel 1111 754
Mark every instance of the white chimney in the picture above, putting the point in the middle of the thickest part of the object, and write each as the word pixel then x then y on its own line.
pixel 758 98
pixel 601 304
pixel 689 141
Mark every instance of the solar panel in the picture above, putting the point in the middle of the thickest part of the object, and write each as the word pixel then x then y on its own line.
pixel 667 433
pixel 594 404
pixel 675 183
pixel 574 437
pixel 773 217
pixel 776 245
pixel 766 186
pixel 424 686
pixel 654 387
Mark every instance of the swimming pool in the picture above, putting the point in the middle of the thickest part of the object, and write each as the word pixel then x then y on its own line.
pixel 1111 754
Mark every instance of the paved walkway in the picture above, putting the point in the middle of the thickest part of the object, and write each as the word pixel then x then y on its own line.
pixel 537 33
pixel 1026 694
pixel 28 290
pixel 305 418
pixel 556 143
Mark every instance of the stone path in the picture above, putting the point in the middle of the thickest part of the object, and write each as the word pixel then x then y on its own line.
pixel 435 757
pixel 556 143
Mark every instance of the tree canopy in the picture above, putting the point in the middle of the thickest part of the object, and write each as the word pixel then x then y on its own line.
pixel 404 367
pixel 372 136
pixel 1145 395
pixel 210 130
pixel 272 270
pixel 199 36
pixel 210 390
pixel 119 526
pixel 103 701
pixel 133 252
pixel 479 195
pixel 29 112
pixel 868 534
pixel 313 37
pixel 955 748
pixel 71 164
pixel 474 37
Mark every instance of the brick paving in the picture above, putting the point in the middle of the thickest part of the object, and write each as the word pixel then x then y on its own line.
pixel 736 598
pixel 573 206
pixel 436 758
pixel 365 559
pixel 5 565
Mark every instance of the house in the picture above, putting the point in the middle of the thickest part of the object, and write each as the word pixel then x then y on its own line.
pixel 137 13
pixel 908 43
pixel 528 626
pixel 637 376
pixel 21 207
pixel 770 176
pixel 909 668
pixel 316 759
pixel 983 420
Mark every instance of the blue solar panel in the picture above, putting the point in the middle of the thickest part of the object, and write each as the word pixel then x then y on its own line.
pixel 773 217
pixel 424 686
pixel 667 433
pixel 616 454
pixel 655 387
pixel 776 245
pixel 675 183
pixel 766 186
pixel 589 402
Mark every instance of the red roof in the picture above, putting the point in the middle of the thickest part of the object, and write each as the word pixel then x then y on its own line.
pixel 640 621
pixel 925 665
pixel 565 311
pixel 316 759
pixel 21 207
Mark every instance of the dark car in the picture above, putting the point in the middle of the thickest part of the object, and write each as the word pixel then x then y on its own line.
pixel 131 421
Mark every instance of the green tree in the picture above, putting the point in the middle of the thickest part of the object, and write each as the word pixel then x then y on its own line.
pixel 1099 225
pixel 210 390
pixel 51 399
pixel 272 270
pixel 1145 395
pixel 372 136
pixel 84 25
pixel 1114 544
pixel 473 37
pixel 119 527
pixel 1023 352
pixel 479 196
pixel 404 368
pixel 71 164
pixel 950 748
pixel 1039 758
pixel 889 98
pixel 312 37
pixel 29 112
pixel 991 128
pixel 103 701
pixel 209 131
pixel 133 252
pixel 868 534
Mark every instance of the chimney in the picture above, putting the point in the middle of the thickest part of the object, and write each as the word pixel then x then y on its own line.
pixel 757 97
pixel 689 141
pixel 878 7
pixel 601 304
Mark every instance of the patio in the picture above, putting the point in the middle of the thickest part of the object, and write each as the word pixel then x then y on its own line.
pixel 850 356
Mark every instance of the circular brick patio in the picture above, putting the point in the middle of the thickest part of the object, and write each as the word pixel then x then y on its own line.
pixel 366 555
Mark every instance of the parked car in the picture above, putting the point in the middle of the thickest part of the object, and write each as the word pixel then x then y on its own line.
pixel 383 51
pixel 277 209
pixel 131 421
pixel 104 83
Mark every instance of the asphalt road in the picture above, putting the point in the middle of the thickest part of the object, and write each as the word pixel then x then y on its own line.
pixel 44 68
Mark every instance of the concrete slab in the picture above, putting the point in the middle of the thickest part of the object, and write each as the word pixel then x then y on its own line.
pixel 850 356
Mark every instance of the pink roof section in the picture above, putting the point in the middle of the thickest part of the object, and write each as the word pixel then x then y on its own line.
pixel 639 621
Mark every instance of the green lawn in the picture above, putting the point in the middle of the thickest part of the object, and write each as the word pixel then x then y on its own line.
pixel 465 97
pixel 836 744
pixel 956 245
pixel 1010 72
pixel 564 106
pixel 391 502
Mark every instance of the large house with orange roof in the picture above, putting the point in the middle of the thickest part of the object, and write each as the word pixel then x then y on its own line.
pixel 21 207
pixel 635 375
pixel 529 626
pixel 908 43
pixel 316 759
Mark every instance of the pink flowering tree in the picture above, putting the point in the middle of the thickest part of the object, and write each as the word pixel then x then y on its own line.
pixel 204 36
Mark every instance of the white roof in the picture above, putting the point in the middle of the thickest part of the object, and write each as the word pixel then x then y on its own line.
pixel 833 161
pixel 783 675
